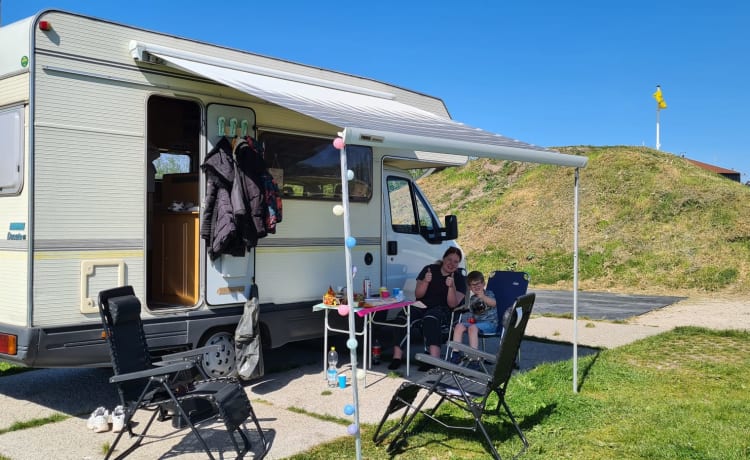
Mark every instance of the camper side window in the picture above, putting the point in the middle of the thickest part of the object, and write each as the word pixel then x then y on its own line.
pixel 402 209
pixel 310 167
pixel 11 150
pixel 171 163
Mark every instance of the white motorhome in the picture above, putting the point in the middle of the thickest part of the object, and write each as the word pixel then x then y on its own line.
pixel 103 131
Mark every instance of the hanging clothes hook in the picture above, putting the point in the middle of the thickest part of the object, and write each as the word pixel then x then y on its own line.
pixel 222 125
pixel 233 127
pixel 244 124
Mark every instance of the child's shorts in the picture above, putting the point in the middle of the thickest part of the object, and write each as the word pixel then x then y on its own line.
pixel 486 327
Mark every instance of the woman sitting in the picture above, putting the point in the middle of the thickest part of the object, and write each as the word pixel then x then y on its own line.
pixel 441 287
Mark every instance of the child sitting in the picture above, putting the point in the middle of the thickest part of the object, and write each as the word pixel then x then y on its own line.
pixel 482 314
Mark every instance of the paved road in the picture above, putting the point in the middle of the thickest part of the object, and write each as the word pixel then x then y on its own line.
pixel 599 305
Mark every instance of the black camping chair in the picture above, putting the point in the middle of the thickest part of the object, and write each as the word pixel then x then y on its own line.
pixel 465 388
pixel 162 387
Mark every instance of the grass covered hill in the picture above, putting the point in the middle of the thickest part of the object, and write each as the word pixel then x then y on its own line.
pixel 650 222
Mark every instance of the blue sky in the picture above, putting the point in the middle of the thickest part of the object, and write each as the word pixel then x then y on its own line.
pixel 547 72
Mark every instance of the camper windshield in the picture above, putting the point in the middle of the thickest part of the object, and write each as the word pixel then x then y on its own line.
pixel 309 167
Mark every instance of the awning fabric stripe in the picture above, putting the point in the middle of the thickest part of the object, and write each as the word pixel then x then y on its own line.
pixel 366 117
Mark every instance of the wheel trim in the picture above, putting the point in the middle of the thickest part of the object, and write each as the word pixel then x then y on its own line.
pixel 222 362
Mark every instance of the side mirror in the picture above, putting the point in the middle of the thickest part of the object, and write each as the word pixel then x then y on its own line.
pixel 451 228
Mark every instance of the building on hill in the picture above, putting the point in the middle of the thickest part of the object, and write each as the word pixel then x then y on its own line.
pixel 728 173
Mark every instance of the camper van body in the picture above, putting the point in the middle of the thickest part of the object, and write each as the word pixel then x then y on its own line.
pixel 82 122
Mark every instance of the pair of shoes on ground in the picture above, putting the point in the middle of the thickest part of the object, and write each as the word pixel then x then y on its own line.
pixel 100 419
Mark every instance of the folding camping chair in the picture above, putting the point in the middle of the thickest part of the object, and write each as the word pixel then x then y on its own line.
pixel 463 387
pixel 507 287
pixel 162 387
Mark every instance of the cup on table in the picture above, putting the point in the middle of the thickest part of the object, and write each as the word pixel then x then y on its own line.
pixel 342 381
pixel 397 293
pixel 384 294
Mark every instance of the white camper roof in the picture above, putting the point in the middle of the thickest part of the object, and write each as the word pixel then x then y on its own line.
pixel 365 116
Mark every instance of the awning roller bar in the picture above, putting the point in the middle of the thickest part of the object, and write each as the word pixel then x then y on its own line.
pixel 144 52
pixel 374 138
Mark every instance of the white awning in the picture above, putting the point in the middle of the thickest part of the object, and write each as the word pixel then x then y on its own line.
pixel 366 116
pixel 371 117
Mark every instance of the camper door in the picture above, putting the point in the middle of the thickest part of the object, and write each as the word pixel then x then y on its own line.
pixel 410 231
pixel 228 278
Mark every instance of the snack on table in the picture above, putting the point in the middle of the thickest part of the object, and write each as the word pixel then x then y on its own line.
pixel 330 297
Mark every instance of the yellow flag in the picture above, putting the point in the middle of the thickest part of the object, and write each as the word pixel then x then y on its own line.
pixel 660 104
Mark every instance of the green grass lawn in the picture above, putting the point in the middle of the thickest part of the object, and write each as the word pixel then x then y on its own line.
pixel 679 395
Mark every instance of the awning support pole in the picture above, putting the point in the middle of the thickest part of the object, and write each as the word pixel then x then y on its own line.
pixel 350 298
pixel 575 283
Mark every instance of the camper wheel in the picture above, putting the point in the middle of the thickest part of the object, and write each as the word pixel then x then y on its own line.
pixel 221 363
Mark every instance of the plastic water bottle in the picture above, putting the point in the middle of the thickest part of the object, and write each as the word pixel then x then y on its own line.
pixel 366 287
pixel 332 372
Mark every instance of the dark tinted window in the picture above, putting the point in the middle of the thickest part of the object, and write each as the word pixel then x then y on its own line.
pixel 310 167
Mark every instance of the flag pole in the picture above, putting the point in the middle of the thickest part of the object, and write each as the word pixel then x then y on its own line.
pixel 660 104
pixel 658 144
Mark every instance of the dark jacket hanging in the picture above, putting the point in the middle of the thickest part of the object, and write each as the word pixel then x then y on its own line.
pixel 218 225
pixel 247 193
pixel 242 202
